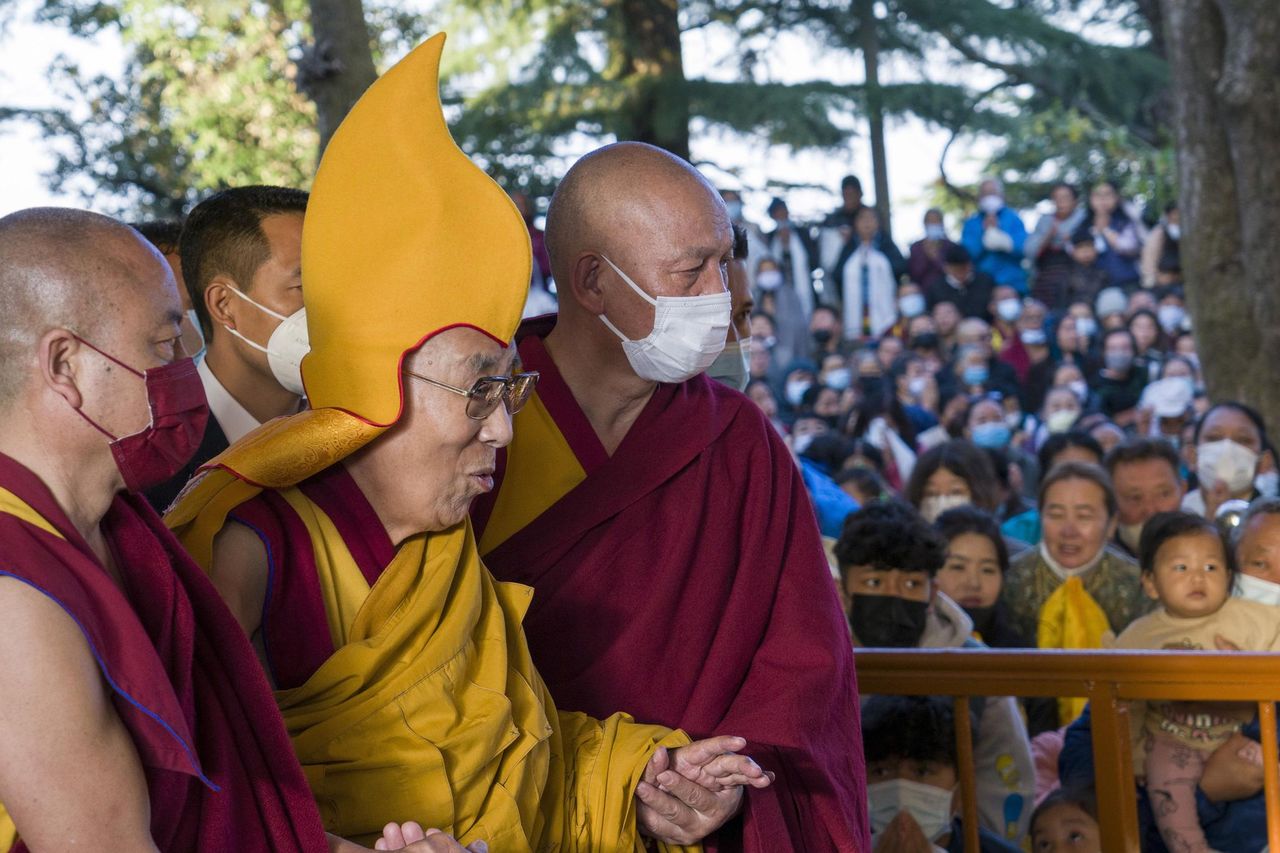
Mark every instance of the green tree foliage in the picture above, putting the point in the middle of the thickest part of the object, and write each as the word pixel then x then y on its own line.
pixel 210 96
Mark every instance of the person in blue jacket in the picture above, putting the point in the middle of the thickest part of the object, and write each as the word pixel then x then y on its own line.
pixel 995 237
pixel 820 461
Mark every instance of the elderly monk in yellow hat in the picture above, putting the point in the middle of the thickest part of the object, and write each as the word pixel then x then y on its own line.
pixel 340 536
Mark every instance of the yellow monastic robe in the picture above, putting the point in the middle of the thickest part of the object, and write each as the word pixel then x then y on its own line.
pixel 431 709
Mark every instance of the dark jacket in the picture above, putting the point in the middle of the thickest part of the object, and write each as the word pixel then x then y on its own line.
pixel 213 443
pixel 973 299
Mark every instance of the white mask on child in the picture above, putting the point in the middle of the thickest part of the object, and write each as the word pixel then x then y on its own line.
pixel 928 805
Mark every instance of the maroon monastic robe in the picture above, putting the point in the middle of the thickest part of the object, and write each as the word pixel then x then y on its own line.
pixel 221 773
pixel 684 581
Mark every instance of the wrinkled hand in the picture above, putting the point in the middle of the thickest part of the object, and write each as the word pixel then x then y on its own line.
pixel 1228 776
pixel 412 838
pixel 689 792
pixel 903 835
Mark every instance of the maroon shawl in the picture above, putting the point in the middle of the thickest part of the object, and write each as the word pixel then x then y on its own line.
pixel 684 582
pixel 220 770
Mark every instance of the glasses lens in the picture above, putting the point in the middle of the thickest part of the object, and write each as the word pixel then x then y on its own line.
pixel 485 396
pixel 522 386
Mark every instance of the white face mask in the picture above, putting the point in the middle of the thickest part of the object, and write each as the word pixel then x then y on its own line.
pixel 1009 309
pixel 990 203
pixel 928 805
pixel 285 348
pixel 1267 483
pixel 733 366
pixel 916 386
pixel 935 505
pixel 912 305
pixel 1227 462
pixel 769 279
pixel 801 442
pixel 1131 535
pixel 1061 420
pixel 688 333
pixel 1256 589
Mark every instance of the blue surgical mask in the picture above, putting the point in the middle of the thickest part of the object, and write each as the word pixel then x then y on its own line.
pixel 911 305
pixel 935 232
pixel 839 379
pixel 976 374
pixel 991 435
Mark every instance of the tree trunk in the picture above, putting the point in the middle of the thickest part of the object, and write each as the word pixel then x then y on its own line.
pixel 338 67
pixel 1224 58
pixel 649 58
pixel 870 38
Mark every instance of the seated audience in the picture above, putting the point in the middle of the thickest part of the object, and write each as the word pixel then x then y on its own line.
pixel 1231 449
pixel 973 574
pixel 913 789
pixel 1058 448
pixel 888 559
pixel 1144 473
pixel 1074 587
pixel 953 474
pixel 1186 569
pixel 1120 382
pixel 1066 821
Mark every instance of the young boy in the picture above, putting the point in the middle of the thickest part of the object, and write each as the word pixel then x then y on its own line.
pixel 1187 568
pixel 912 786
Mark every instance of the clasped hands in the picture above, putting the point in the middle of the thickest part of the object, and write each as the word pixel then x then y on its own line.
pixel 684 795
pixel 689 792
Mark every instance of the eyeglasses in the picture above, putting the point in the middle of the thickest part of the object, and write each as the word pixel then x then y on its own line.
pixel 488 391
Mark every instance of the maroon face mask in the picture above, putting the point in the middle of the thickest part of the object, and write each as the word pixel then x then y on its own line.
pixel 179 413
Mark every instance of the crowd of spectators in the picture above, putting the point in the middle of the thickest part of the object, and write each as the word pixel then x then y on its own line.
pixel 988 423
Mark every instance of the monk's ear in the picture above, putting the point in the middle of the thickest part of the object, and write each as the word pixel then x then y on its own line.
pixel 584 282
pixel 60 356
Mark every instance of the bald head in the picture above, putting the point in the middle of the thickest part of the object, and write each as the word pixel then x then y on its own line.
pixel 64 268
pixel 627 200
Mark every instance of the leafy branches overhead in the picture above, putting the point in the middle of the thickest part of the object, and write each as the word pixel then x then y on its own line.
pixel 210 97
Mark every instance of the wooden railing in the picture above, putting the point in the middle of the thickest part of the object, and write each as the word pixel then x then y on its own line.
pixel 1109 680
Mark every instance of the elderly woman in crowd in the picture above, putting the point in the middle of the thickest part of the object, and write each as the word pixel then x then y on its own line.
pixel 1075 586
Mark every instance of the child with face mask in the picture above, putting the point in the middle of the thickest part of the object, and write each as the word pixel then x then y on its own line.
pixel 913 790
pixel 1186 568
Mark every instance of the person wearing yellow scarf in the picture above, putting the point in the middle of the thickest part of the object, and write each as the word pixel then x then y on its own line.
pixel 340 537
pixel 1074 589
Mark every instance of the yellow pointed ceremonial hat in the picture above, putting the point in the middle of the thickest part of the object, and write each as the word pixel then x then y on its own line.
pixel 404 237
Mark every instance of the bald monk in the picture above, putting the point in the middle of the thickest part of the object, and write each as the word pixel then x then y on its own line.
pixel 134 714
pixel 340 536
pixel 638 497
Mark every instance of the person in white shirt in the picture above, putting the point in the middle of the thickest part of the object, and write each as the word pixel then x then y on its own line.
pixel 241 252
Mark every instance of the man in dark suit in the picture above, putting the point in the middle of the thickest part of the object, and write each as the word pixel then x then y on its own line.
pixel 241 253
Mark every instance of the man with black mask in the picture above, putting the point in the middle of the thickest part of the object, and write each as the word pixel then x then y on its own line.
pixel 888 558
